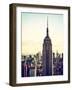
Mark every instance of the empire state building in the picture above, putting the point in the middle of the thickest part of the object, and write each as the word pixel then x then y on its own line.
pixel 47 54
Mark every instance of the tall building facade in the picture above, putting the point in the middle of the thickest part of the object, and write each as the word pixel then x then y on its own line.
pixel 47 54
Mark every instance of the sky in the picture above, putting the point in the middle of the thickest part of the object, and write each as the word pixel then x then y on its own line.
pixel 34 31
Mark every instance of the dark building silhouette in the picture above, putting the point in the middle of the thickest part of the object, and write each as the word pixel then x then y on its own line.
pixel 58 64
pixel 23 67
pixel 47 55
pixel 26 63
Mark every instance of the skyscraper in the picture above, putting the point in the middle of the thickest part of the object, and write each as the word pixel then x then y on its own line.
pixel 47 54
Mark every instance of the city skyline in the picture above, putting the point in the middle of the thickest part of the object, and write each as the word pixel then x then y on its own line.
pixel 34 31
pixel 45 64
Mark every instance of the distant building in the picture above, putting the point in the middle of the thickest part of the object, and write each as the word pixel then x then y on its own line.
pixel 57 64
pixel 26 66
pixel 47 55
pixel 23 67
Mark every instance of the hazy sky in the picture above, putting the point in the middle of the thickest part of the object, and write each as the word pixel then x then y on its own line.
pixel 34 31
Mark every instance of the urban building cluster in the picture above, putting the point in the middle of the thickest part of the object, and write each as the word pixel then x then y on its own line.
pixel 32 65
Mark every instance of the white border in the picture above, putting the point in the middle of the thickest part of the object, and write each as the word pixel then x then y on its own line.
pixel 19 79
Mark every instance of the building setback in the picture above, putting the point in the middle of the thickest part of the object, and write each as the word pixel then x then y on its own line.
pixel 47 54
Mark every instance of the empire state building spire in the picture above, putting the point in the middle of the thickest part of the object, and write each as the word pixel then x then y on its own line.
pixel 47 27
pixel 47 54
